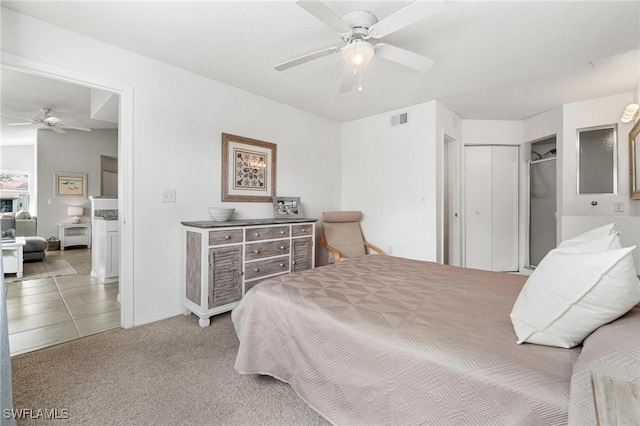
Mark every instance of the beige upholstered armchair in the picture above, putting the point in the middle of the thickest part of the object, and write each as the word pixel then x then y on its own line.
pixel 342 236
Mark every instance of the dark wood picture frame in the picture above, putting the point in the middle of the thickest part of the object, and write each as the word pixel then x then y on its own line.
pixel 248 169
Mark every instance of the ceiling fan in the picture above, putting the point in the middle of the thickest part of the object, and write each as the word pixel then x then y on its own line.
pixel 358 28
pixel 53 123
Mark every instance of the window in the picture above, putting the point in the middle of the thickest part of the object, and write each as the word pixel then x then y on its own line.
pixel 597 160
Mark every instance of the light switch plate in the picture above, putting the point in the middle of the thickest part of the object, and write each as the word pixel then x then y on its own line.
pixel 168 195
pixel 618 206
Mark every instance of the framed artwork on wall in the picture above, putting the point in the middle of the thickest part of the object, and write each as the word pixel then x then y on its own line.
pixel 248 169
pixel 70 184
pixel 287 207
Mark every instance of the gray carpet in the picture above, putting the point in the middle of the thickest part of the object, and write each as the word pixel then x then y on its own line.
pixel 171 372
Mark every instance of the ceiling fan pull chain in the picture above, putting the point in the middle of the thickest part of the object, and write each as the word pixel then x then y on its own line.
pixel 360 79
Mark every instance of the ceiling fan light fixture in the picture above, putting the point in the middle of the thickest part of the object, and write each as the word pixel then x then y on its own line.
pixel 358 53
pixel 53 120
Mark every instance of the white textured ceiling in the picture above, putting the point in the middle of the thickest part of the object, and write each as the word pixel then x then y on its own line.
pixel 494 60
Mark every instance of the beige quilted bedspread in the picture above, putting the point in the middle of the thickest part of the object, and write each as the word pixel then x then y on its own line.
pixel 382 340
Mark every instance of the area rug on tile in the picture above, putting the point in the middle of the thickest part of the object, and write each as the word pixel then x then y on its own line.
pixel 44 269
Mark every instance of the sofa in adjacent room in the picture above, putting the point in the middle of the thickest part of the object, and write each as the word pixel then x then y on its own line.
pixel 25 225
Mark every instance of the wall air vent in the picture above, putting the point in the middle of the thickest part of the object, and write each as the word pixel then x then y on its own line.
pixel 400 119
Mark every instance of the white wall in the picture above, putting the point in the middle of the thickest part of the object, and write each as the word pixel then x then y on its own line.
pixel 71 152
pixel 595 112
pixel 18 158
pixel 178 121
pixel 491 132
pixel 578 214
pixel 385 172
pixel 394 175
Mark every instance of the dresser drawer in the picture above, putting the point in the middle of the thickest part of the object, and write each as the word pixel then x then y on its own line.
pixel 258 234
pixel 266 267
pixel 266 249
pixel 225 236
pixel 301 230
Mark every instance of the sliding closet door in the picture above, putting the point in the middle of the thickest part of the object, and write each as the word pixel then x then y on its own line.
pixel 491 207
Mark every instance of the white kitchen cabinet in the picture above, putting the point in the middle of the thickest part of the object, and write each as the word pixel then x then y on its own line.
pixel 107 250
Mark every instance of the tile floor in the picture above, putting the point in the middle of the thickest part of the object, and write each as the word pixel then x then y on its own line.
pixel 48 311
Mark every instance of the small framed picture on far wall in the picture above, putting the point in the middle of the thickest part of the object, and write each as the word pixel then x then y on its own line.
pixel 287 207
pixel 70 184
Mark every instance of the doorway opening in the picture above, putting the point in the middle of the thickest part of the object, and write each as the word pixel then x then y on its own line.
pixel 124 103
pixel 451 241
pixel 542 200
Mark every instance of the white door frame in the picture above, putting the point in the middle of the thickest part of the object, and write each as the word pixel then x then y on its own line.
pixel 454 245
pixel 125 158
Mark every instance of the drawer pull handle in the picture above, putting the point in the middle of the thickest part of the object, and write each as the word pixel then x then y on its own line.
pixel 256 234
pixel 304 230
pixel 282 265
pixel 282 247
pixel 294 262
pixel 282 232
pixel 257 270
pixel 227 237
pixel 256 251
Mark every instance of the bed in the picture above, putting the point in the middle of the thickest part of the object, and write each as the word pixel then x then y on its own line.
pixel 382 340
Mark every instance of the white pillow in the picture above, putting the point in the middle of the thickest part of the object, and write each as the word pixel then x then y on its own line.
pixel 569 295
pixel 589 235
pixel 23 214
pixel 608 242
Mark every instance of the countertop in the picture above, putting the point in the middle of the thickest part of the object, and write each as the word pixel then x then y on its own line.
pixel 245 222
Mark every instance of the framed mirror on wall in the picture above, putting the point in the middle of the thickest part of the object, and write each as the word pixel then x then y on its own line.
pixel 634 161
pixel 598 160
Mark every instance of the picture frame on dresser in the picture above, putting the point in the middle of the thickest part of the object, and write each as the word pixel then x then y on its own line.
pixel 70 184
pixel 287 207
pixel 248 169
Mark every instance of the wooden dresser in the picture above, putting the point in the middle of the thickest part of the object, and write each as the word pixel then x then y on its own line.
pixel 224 260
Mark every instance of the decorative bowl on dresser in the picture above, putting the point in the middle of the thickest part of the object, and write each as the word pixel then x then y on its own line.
pixel 224 260
pixel 219 214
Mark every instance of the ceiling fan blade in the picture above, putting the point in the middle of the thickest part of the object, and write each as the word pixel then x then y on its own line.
pixel 404 57
pixel 325 15
pixel 306 58
pixel 406 16
pixel 21 124
pixel 348 78
pixel 31 120
pixel 84 129
pixel 57 129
